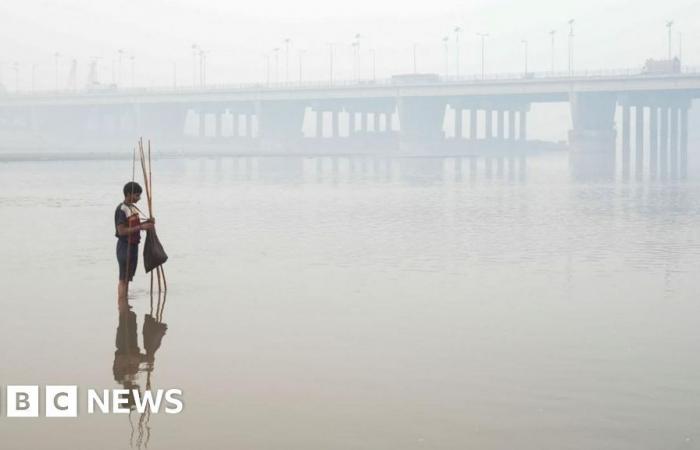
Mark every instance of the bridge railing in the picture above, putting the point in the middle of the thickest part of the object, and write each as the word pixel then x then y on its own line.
pixel 112 90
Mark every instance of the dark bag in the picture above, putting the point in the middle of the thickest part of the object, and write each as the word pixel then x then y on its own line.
pixel 153 253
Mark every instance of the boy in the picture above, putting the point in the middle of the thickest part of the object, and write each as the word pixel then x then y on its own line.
pixel 128 228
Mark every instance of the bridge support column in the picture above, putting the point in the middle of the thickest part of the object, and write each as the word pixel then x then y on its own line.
pixel 511 124
pixel 335 124
pixel 653 142
pixel 472 124
pixel 376 122
pixel 351 123
pixel 501 125
pixel 202 124
pixel 421 119
pixel 235 132
pixel 684 143
pixel 280 121
pixel 217 123
pixel 458 123
pixel 489 126
pixel 522 131
pixel 626 149
pixel 673 163
pixel 363 122
pixel 639 140
pixel 592 138
pixel 663 142
pixel 319 123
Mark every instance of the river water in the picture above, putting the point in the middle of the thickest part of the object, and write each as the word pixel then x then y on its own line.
pixel 361 303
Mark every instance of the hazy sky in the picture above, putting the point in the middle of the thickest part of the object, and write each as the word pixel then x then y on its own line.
pixel 238 35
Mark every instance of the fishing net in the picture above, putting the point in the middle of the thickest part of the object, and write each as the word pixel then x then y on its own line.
pixel 153 253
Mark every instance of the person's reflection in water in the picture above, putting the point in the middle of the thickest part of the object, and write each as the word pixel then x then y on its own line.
pixel 129 361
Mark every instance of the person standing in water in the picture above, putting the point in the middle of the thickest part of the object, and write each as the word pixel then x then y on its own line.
pixel 128 226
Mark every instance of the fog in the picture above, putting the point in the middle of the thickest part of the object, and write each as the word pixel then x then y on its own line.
pixel 237 36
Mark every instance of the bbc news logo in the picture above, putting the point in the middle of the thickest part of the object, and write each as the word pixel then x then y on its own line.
pixel 62 401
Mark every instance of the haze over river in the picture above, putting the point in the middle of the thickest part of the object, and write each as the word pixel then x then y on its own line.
pixel 362 303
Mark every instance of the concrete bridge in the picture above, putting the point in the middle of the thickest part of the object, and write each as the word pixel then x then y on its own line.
pixel 404 111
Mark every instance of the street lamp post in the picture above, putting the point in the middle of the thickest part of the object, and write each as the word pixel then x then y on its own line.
pixel 301 55
pixel 483 37
pixel 133 71
pixel 457 31
pixel 415 65
pixel 669 25
pixel 56 56
pixel 359 57
pixel 524 42
pixel 445 42
pixel 277 64
pixel 330 50
pixel 120 53
pixel 551 35
pixel 286 60
pixel 16 67
pixel 355 48
pixel 194 64
pixel 571 47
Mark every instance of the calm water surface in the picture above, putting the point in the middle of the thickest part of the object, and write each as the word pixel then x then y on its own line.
pixel 360 303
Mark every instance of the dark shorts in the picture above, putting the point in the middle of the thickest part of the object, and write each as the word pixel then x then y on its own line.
pixel 128 258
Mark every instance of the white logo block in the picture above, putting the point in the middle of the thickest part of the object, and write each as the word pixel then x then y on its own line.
pixel 22 401
pixel 61 401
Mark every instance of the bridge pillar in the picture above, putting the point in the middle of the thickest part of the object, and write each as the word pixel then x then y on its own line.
pixel 235 132
pixel 421 118
pixel 653 141
pixel 639 140
pixel 489 127
pixel 663 144
pixel 319 123
pixel 593 117
pixel 500 124
pixel 376 122
pixel 592 137
pixel 202 123
pixel 522 131
pixel 674 142
pixel 248 125
pixel 351 123
pixel 335 124
pixel 684 143
pixel 217 123
pixel 626 150
pixel 459 132
pixel 511 124
pixel 280 120
pixel 472 124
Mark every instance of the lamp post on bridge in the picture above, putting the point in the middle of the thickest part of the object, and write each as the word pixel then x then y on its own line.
pixel 276 50
pixel 524 42
pixel 132 58
pixel 669 25
pixel 551 35
pixel 286 60
pixel 457 31
pixel 16 67
pixel 415 64
pixel 56 57
pixel 120 53
pixel 194 64
pixel 330 62
pixel 571 47
pixel 445 42
pixel 301 55
pixel 483 37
